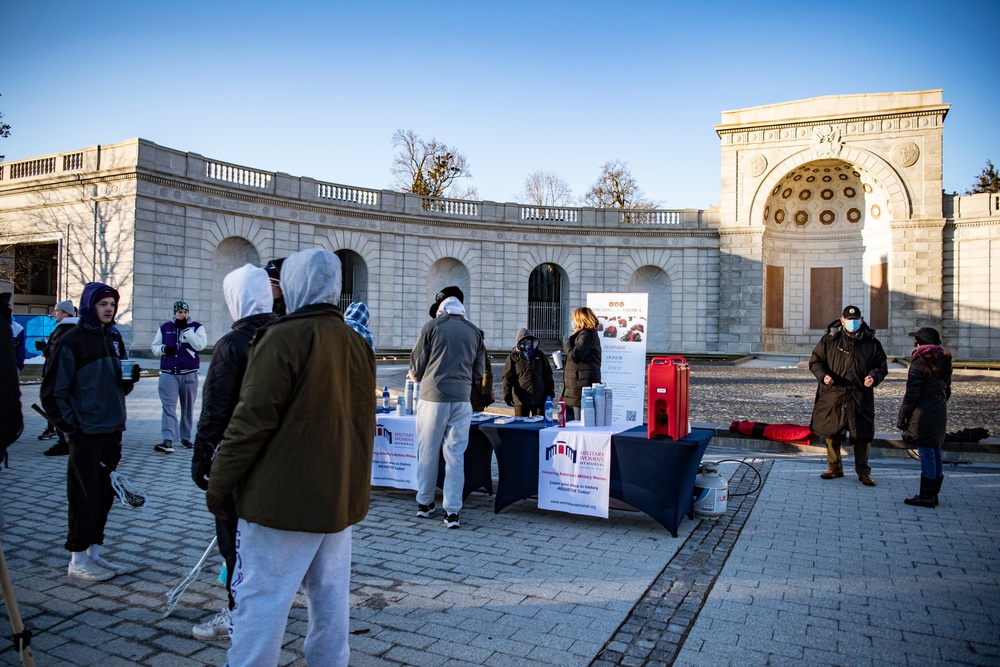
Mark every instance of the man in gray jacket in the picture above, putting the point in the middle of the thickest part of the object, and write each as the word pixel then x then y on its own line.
pixel 448 357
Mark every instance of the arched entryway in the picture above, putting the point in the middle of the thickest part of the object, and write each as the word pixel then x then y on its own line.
pixel 446 272
pixel 826 244
pixel 354 278
pixel 656 283
pixel 231 253
pixel 547 303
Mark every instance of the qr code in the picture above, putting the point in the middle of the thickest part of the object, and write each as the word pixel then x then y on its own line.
pixel 630 415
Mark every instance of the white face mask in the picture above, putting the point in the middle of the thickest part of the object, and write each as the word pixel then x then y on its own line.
pixel 852 325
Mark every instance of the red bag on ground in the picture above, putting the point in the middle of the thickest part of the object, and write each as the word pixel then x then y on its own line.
pixel 793 433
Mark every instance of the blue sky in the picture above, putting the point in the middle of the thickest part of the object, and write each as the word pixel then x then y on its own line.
pixel 318 88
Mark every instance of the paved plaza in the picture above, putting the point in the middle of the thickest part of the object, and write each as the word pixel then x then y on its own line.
pixel 802 571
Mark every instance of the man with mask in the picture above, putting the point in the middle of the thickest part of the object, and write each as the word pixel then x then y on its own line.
pixel 849 363
pixel 65 316
pixel 177 344
pixel 297 457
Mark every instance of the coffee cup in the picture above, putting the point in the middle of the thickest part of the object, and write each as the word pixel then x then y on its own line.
pixel 557 359
pixel 127 366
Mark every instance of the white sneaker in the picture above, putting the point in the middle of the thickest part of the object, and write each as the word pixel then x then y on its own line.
pixel 217 628
pixel 89 571
pixel 117 569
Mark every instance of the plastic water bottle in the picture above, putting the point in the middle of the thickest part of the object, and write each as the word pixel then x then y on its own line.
pixel 562 413
pixel 385 399
pixel 548 412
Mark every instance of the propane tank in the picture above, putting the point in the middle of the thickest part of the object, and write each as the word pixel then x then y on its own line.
pixel 711 491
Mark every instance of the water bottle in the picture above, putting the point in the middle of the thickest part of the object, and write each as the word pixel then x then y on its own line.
pixel 562 413
pixel 385 399
pixel 548 411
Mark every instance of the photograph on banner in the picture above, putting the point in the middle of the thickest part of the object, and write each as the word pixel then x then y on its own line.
pixel 574 469
pixel 394 458
pixel 622 321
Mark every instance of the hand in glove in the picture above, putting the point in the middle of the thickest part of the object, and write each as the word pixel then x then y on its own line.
pixel 214 504
pixel 201 465
pixel 169 350
pixel 487 399
pixel 39 344
pixel 903 423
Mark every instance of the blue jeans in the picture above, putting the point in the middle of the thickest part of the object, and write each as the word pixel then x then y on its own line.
pixel 930 462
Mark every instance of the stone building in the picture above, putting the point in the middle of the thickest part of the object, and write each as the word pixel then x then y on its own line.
pixel 824 202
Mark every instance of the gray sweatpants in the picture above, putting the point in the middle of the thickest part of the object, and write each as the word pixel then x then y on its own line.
pixel 171 388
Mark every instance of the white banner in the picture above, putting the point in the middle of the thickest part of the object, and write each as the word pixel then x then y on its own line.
pixel 574 469
pixel 394 459
pixel 622 326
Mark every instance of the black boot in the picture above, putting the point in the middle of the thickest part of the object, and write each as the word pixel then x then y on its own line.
pixel 926 497
pixel 937 488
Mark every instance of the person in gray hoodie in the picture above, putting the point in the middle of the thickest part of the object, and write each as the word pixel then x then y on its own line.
pixel 527 376
pixel 248 295
pixel 448 358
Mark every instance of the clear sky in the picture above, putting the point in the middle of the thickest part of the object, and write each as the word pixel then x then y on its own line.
pixel 318 88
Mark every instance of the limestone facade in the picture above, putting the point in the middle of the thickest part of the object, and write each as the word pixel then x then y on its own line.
pixel 824 202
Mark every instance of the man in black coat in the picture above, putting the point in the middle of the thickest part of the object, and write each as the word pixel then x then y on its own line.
pixel 849 363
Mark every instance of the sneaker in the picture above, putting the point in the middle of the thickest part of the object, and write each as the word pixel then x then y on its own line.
pixel 451 521
pixel 217 628
pixel 48 433
pixel 167 447
pixel 61 448
pixel 117 569
pixel 187 444
pixel 425 511
pixel 89 571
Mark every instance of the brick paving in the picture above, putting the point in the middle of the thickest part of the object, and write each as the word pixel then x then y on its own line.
pixel 827 572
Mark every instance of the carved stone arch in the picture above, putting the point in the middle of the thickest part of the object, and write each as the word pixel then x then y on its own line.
pixel 358 251
pixel 640 266
pixel 226 226
pixel 364 244
pixel 446 262
pixel 228 255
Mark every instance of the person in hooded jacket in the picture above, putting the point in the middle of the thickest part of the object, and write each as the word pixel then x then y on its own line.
pixel 248 295
pixel 65 316
pixel 357 317
pixel 527 376
pixel 582 367
pixel 83 392
pixel 849 363
pixel 297 456
pixel 177 344
pixel 923 413
pixel 11 420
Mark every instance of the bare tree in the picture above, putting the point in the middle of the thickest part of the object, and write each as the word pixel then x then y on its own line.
pixel 545 190
pixel 427 168
pixel 4 130
pixel 617 188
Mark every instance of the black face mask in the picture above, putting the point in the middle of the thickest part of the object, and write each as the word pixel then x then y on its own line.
pixel 180 324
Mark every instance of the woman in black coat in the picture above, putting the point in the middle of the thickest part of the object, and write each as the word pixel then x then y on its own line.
pixel 923 414
pixel 583 359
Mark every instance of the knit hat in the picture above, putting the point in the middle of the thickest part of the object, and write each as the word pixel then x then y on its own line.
pixel 273 269
pixel 452 290
pixel 180 305
pixel 66 306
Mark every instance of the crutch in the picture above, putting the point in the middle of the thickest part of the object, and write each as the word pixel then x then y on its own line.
pixel 175 593
pixel 22 637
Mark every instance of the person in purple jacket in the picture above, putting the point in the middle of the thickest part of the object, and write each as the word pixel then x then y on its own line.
pixel 177 344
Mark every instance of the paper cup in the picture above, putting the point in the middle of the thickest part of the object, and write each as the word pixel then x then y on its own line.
pixel 127 366
pixel 557 359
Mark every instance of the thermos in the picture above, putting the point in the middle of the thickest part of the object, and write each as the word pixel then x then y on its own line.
pixel 548 412
pixel 385 399
pixel 408 393
pixel 562 413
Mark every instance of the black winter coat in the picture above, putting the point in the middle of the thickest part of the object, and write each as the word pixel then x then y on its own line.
pixel 923 414
pixel 847 404
pixel 582 365
pixel 221 391
pixel 527 380
pixel 10 388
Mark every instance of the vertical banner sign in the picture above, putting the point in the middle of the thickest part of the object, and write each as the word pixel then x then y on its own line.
pixel 394 457
pixel 574 469
pixel 621 325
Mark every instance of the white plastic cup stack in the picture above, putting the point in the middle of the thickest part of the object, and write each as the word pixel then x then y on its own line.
pixel 557 359
pixel 599 404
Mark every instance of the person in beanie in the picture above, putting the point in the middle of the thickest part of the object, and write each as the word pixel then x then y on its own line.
pixel 273 269
pixel 83 392
pixel 849 363
pixel 448 359
pixel 297 456
pixel 65 316
pixel 923 414
pixel 356 316
pixel 177 344
pixel 527 376
pixel 248 295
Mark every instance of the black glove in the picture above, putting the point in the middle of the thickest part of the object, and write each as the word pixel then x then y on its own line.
pixel 903 423
pixel 214 504
pixel 136 373
pixel 169 350
pixel 201 464
pixel 487 400
pixel 39 345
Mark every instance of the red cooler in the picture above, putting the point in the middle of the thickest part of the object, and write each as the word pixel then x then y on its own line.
pixel 667 381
